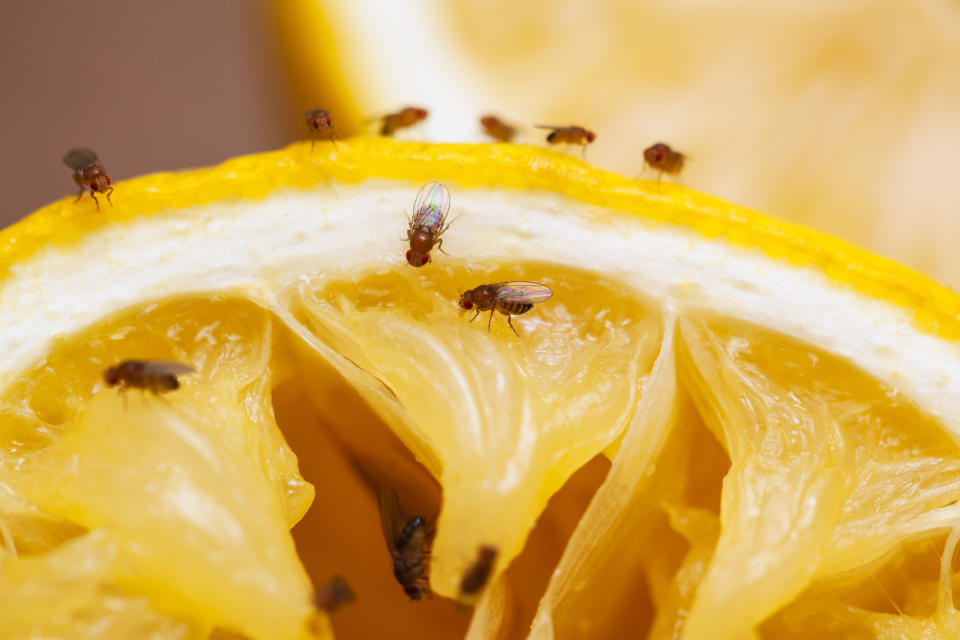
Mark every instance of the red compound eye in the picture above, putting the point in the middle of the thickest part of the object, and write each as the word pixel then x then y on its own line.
pixel 425 259
pixel 93 185
pixel 467 304
pixel 408 255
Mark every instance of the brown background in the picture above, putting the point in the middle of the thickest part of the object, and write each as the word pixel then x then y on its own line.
pixel 149 86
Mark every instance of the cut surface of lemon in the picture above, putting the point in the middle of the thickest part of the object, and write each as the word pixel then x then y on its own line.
pixel 719 425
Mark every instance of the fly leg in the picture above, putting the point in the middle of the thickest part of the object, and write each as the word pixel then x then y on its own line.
pixel 440 247
pixel 490 320
pixel 92 195
pixel 511 326
pixel 76 179
pixel 475 315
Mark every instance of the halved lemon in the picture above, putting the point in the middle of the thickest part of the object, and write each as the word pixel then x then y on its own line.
pixel 720 426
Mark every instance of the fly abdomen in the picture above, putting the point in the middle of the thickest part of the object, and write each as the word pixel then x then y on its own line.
pixel 514 308
pixel 413 527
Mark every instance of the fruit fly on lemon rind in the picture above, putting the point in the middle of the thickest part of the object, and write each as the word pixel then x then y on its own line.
pixel 320 124
pixel 88 173
pixel 407 543
pixel 509 298
pixel 406 117
pixel 569 135
pixel 497 128
pixel 664 159
pixel 429 222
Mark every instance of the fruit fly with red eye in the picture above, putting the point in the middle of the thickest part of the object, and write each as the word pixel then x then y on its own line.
pixel 333 594
pixel 509 298
pixel 88 173
pixel 477 574
pixel 569 135
pixel 320 124
pixel 406 117
pixel 497 128
pixel 664 159
pixel 156 376
pixel 429 222
pixel 408 545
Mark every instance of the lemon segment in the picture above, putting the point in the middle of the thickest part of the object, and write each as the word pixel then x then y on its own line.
pixel 192 493
pixel 509 419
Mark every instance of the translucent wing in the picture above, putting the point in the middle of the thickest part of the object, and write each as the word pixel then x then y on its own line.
pixel 80 159
pixel 523 292
pixel 431 207
pixel 550 126
pixel 165 367
pixel 390 517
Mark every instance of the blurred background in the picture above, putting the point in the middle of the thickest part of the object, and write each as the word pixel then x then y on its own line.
pixel 843 115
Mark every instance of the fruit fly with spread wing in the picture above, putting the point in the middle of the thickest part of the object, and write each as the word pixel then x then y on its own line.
pixel 497 128
pixel 429 222
pixel 406 117
pixel 320 124
pixel 664 159
pixel 88 173
pixel 407 544
pixel 509 298
pixel 477 574
pixel 333 594
pixel 156 376
pixel 569 135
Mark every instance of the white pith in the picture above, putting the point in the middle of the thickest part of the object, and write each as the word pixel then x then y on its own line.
pixel 254 248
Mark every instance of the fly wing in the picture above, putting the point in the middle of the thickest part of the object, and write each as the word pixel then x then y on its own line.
pixel 523 292
pixel 165 367
pixel 390 517
pixel 81 158
pixel 550 127
pixel 431 207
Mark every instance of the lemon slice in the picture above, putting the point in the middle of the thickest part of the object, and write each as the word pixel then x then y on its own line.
pixel 779 410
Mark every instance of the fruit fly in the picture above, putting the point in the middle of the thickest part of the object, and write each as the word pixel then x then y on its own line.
pixel 333 595
pixel 664 159
pixel 88 173
pixel 509 298
pixel 157 376
pixel 429 222
pixel 497 128
pixel 407 544
pixel 406 117
pixel 320 124
pixel 477 574
pixel 569 135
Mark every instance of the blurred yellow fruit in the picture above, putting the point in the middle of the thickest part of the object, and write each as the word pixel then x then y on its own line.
pixel 841 116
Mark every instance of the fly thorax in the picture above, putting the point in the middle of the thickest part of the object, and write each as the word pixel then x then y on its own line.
pixel 421 241
pixel 485 297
